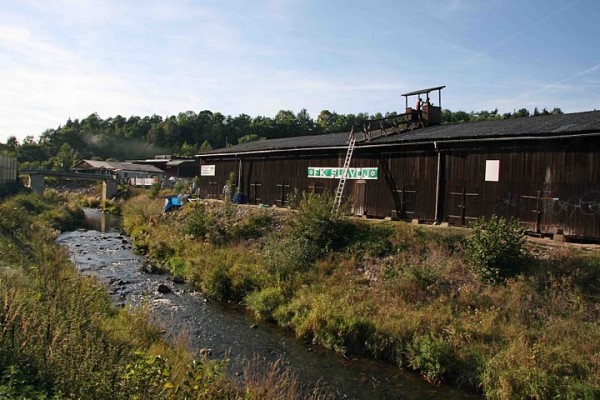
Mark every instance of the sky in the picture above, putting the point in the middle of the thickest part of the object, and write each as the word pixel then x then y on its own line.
pixel 64 59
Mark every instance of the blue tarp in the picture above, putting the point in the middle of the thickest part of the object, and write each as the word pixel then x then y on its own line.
pixel 175 201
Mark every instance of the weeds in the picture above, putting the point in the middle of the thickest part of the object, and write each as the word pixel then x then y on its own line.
pixel 495 248
pixel 60 337
pixel 417 297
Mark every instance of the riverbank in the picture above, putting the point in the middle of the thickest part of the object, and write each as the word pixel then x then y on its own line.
pixel 61 336
pixel 408 295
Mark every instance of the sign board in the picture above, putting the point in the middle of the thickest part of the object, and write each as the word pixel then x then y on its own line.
pixel 336 173
pixel 207 170
pixel 492 170
pixel 143 181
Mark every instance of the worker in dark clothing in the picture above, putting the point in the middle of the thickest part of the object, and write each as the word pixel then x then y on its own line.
pixel 419 111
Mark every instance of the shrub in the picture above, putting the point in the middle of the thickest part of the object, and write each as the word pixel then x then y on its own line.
pixel 18 384
pixel 215 281
pixel 91 202
pixel 252 228
pixel 313 231
pixel 226 274
pixel 495 248
pixel 430 355
pixel 178 266
pixel 370 239
pixel 265 302
pixel 533 370
pixel 154 190
pixel 198 222
pixel 318 223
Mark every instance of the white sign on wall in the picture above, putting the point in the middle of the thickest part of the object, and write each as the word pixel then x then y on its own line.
pixel 207 170
pixel 492 170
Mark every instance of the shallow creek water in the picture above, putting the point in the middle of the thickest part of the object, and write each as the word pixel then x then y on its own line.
pixel 227 330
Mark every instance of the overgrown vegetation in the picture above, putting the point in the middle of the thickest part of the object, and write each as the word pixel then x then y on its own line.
pixel 61 338
pixel 456 307
pixel 496 248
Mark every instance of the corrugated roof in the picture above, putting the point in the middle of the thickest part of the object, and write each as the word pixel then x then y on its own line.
pixel 423 91
pixel 127 166
pixel 539 126
pixel 176 163
pixel 285 144
pixel 535 127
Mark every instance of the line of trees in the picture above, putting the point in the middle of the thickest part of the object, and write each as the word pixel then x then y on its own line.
pixel 188 133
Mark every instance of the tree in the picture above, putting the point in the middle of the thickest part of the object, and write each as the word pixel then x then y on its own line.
pixel 326 121
pixel 286 124
pixel 305 122
pixel 239 126
pixel 12 143
pixel 187 150
pixel 66 158
pixel 250 138
pixel 205 146
pixel 522 113
pixel 30 151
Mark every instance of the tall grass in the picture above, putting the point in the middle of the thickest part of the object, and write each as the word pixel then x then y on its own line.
pixel 428 299
pixel 61 338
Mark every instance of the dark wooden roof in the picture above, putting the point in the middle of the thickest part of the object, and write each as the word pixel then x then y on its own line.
pixel 423 91
pixel 518 128
pixel 330 141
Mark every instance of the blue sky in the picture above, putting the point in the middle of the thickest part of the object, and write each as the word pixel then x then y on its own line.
pixel 71 58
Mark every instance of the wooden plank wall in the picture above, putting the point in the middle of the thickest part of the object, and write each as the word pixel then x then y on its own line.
pixel 551 187
pixel 411 176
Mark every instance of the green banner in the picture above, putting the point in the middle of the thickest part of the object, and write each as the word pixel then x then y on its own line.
pixel 336 173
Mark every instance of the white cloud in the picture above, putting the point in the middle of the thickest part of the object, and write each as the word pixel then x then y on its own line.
pixel 44 84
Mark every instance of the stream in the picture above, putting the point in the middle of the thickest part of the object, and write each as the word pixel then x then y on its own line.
pixel 228 330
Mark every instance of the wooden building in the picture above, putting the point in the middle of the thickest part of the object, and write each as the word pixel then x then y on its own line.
pixel 126 172
pixel 543 170
pixel 173 167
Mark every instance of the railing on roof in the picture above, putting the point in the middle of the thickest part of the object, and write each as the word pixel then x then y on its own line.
pixel 423 115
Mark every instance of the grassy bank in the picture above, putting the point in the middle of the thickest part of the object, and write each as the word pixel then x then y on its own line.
pixel 478 309
pixel 61 338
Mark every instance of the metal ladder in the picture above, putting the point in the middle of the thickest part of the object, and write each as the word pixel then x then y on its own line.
pixel 340 189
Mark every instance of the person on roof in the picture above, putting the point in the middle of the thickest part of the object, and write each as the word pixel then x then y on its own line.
pixel 419 111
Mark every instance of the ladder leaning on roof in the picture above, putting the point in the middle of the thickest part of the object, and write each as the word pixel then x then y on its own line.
pixel 340 189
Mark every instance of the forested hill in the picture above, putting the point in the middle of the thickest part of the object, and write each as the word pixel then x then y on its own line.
pixel 188 133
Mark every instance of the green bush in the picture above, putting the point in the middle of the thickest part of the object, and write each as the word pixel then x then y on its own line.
pixel 370 239
pixel 265 302
pixel 215 281
pixel 178 266
pixel 314 231
pixel 495 248
pixel 18 384
pixel 430 355
pixel 154 190
pixel 253 227
pixel 528 370
pixel 226 274
pixel 319 224
pixel 198 222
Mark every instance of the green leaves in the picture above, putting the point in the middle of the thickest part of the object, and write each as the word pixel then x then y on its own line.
pixel 495 248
